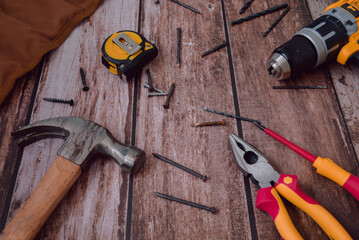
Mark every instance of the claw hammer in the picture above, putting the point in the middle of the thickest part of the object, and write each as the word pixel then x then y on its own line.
pixel 84 139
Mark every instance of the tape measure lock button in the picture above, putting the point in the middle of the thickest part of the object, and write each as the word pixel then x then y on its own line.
pixel 127 52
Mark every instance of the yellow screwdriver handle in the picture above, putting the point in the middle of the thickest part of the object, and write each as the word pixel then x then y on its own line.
pixel 287 186
pixel 329 169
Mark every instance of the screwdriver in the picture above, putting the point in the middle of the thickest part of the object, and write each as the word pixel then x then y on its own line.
pixel 325 166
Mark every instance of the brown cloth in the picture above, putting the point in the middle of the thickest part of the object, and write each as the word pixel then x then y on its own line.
pixel 29 29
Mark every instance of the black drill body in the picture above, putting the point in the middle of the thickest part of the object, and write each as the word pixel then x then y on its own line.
pixel 332 35
pixel 301 53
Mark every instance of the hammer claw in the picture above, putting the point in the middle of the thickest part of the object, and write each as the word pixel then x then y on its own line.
pixel 83 139
pixel 29 138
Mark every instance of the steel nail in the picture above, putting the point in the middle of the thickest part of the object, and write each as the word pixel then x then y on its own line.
pixel 245 6
pixel 83 79
pixel 186 6
pixel 167 103
pixel 259 14
pixel 222 45
pixel 156 89
pixel 55 100
pixel 192 204
pixel 179 33
pixel 150 84
pixel 149 94
pixel 276 21
pixel 299 87
pixel 203 177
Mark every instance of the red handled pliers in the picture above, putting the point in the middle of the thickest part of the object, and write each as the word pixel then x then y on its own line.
pixel 254 165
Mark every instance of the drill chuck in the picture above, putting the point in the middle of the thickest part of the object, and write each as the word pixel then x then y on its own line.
pixel 313 45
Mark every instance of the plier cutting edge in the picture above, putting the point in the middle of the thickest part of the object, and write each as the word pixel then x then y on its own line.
pixel 255 165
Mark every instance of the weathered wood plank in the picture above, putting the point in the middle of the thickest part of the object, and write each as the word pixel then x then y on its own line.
pixel 95 208
pixel 199 82
pixel 14 113
pixel 309 118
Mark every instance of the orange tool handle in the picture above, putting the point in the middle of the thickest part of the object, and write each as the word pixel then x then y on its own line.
pixel 47 195
pixel 288 187
pixel 329 169
pixel 269 201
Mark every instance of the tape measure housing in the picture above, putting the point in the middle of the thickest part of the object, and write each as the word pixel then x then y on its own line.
pixel 126 52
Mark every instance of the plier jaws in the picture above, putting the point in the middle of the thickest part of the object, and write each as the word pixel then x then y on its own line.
pixel 272 184
pixel 253 163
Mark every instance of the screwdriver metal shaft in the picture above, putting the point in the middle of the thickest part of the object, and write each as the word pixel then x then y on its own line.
pixel 232 116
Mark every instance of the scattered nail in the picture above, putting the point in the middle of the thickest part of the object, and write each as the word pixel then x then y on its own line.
pixel 203 124
pixel 83 79
pixel 245 6
pixel 55 100
pixel 156 94
pixel 259 14
pixel 222 45
pixel 179 33
pixel 150 84
pixel 299 87
pixel 192 204
pixel 179 166
pixel 276 22
pixel 156 89
pixel 167 103
pixel 186 6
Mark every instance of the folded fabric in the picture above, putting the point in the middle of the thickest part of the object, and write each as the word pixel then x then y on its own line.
pixel 29 29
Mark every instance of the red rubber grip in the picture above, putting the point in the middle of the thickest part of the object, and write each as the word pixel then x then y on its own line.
pixel 267 202
pixel 352 186
pixel 291 181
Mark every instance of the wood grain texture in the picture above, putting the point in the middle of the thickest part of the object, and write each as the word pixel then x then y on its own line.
pixel 95 208
pixel 52 188
pixel 14 114
pixel 199 82
pixel 309 118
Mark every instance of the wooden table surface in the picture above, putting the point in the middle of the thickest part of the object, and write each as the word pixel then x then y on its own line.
pixel 107 203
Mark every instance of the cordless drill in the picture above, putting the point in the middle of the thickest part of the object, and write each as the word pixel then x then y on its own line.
pixel 334 34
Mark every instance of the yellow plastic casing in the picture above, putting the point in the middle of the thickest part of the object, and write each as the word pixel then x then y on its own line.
pixel 115 51
pixel 119 54
pixel 354 3
pixel 353 45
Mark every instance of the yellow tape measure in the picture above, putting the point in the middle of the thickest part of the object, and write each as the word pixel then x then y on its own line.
pixel 126 52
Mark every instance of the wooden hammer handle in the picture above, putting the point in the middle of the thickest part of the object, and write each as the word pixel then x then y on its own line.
pixel 45 198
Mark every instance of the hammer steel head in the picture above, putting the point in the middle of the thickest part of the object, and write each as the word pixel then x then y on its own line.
pixel 83 140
